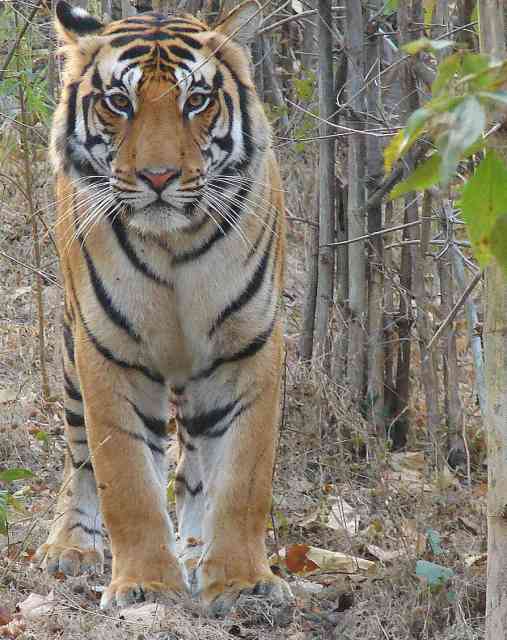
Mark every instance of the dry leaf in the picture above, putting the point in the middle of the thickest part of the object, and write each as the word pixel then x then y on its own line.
pixel 13 629
pixel 382 554
pixel 146 614
pixel 342 516
pixel 471 561
pixel 5 616
pixel 297 6
pixel 306 560
pixel 296 559
pixel 36 606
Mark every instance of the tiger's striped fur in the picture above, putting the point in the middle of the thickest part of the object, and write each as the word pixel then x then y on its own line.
pixel 171 238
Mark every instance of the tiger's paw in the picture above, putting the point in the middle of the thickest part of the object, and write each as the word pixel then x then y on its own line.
pixel 69 560
pixel 124 592
pixel 269 591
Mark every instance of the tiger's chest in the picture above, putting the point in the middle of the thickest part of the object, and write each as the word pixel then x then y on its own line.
pixel 175 318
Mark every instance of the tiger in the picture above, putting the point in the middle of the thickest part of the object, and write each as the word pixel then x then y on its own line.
pixel 171 238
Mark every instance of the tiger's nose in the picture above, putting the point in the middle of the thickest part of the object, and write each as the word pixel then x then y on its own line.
pixel 158 179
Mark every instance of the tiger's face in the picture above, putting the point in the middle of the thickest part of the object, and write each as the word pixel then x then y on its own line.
pixel 157 116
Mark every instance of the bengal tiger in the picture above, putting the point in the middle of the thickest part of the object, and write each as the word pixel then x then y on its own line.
pixel 170 231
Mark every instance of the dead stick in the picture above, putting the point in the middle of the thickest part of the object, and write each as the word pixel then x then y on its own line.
pixel 454 311
pixel 377 233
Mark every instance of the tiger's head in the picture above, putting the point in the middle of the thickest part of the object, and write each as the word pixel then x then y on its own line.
pixel 158 114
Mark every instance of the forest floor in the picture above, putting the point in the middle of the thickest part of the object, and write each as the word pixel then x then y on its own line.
pixel 393 510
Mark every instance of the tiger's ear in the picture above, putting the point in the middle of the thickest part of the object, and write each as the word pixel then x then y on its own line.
pixel 73 23
pixel 242 23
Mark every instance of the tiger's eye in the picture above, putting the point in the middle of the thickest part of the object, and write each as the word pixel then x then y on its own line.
pixel 197 100
pixel 119 101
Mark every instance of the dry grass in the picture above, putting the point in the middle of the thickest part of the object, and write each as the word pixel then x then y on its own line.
pixel 321 454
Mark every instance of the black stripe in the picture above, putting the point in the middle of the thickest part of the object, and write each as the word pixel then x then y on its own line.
pixel 202 423
pixel 182 30
pixel 88 530
pixel 79 464
pixel 74 419
pixel 82 25
pixel 135 52
pixel 141 438
pixel 253 347
pixel 158 36
pixel 248 293
pixel 218 433
pixel 192 490
pixel 114 314
pixel 97 80
pixel 246 125
pixel 184 443
pixel 106 353
pixel 128 249
pixel 71 108
pixel 179 52
pixel 190 42
pixel 156 426
pixel 70 388
pixel 80 441
pixel 193 254
pixel 68 341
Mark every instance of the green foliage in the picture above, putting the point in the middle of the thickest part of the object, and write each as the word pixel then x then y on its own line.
pixel 484 208
pixel 8 499
pixel 467 88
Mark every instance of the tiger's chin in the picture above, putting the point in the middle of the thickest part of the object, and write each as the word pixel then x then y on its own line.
pixel 157 220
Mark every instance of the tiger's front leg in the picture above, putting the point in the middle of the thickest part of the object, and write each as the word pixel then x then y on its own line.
pixel 224 480
pixel 126 416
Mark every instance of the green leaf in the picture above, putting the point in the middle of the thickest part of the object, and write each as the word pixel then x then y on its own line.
pixel 15 503
pixel 4 524
pixel 499 241
pixel 9 475
pixel 467 124
pixel 434 540
pixel 446 70
pixel 435 574
pixel 425 175
pixel 393 151
pixel 483 203
pixel 42 436
pixel 425 44
pixel 429 6
pixel 390 7
pixel 171 494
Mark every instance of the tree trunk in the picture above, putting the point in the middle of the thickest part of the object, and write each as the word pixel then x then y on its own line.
pixel 356 201
pixel 326 188
pixel 492 36
pixel 374 164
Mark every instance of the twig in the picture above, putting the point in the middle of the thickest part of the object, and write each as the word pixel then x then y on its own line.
pixel 454 311
pixel 39 272
pixel 378 233
pixel 15 45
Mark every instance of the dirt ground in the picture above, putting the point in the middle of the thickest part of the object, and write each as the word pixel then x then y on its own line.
pixel 395 510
